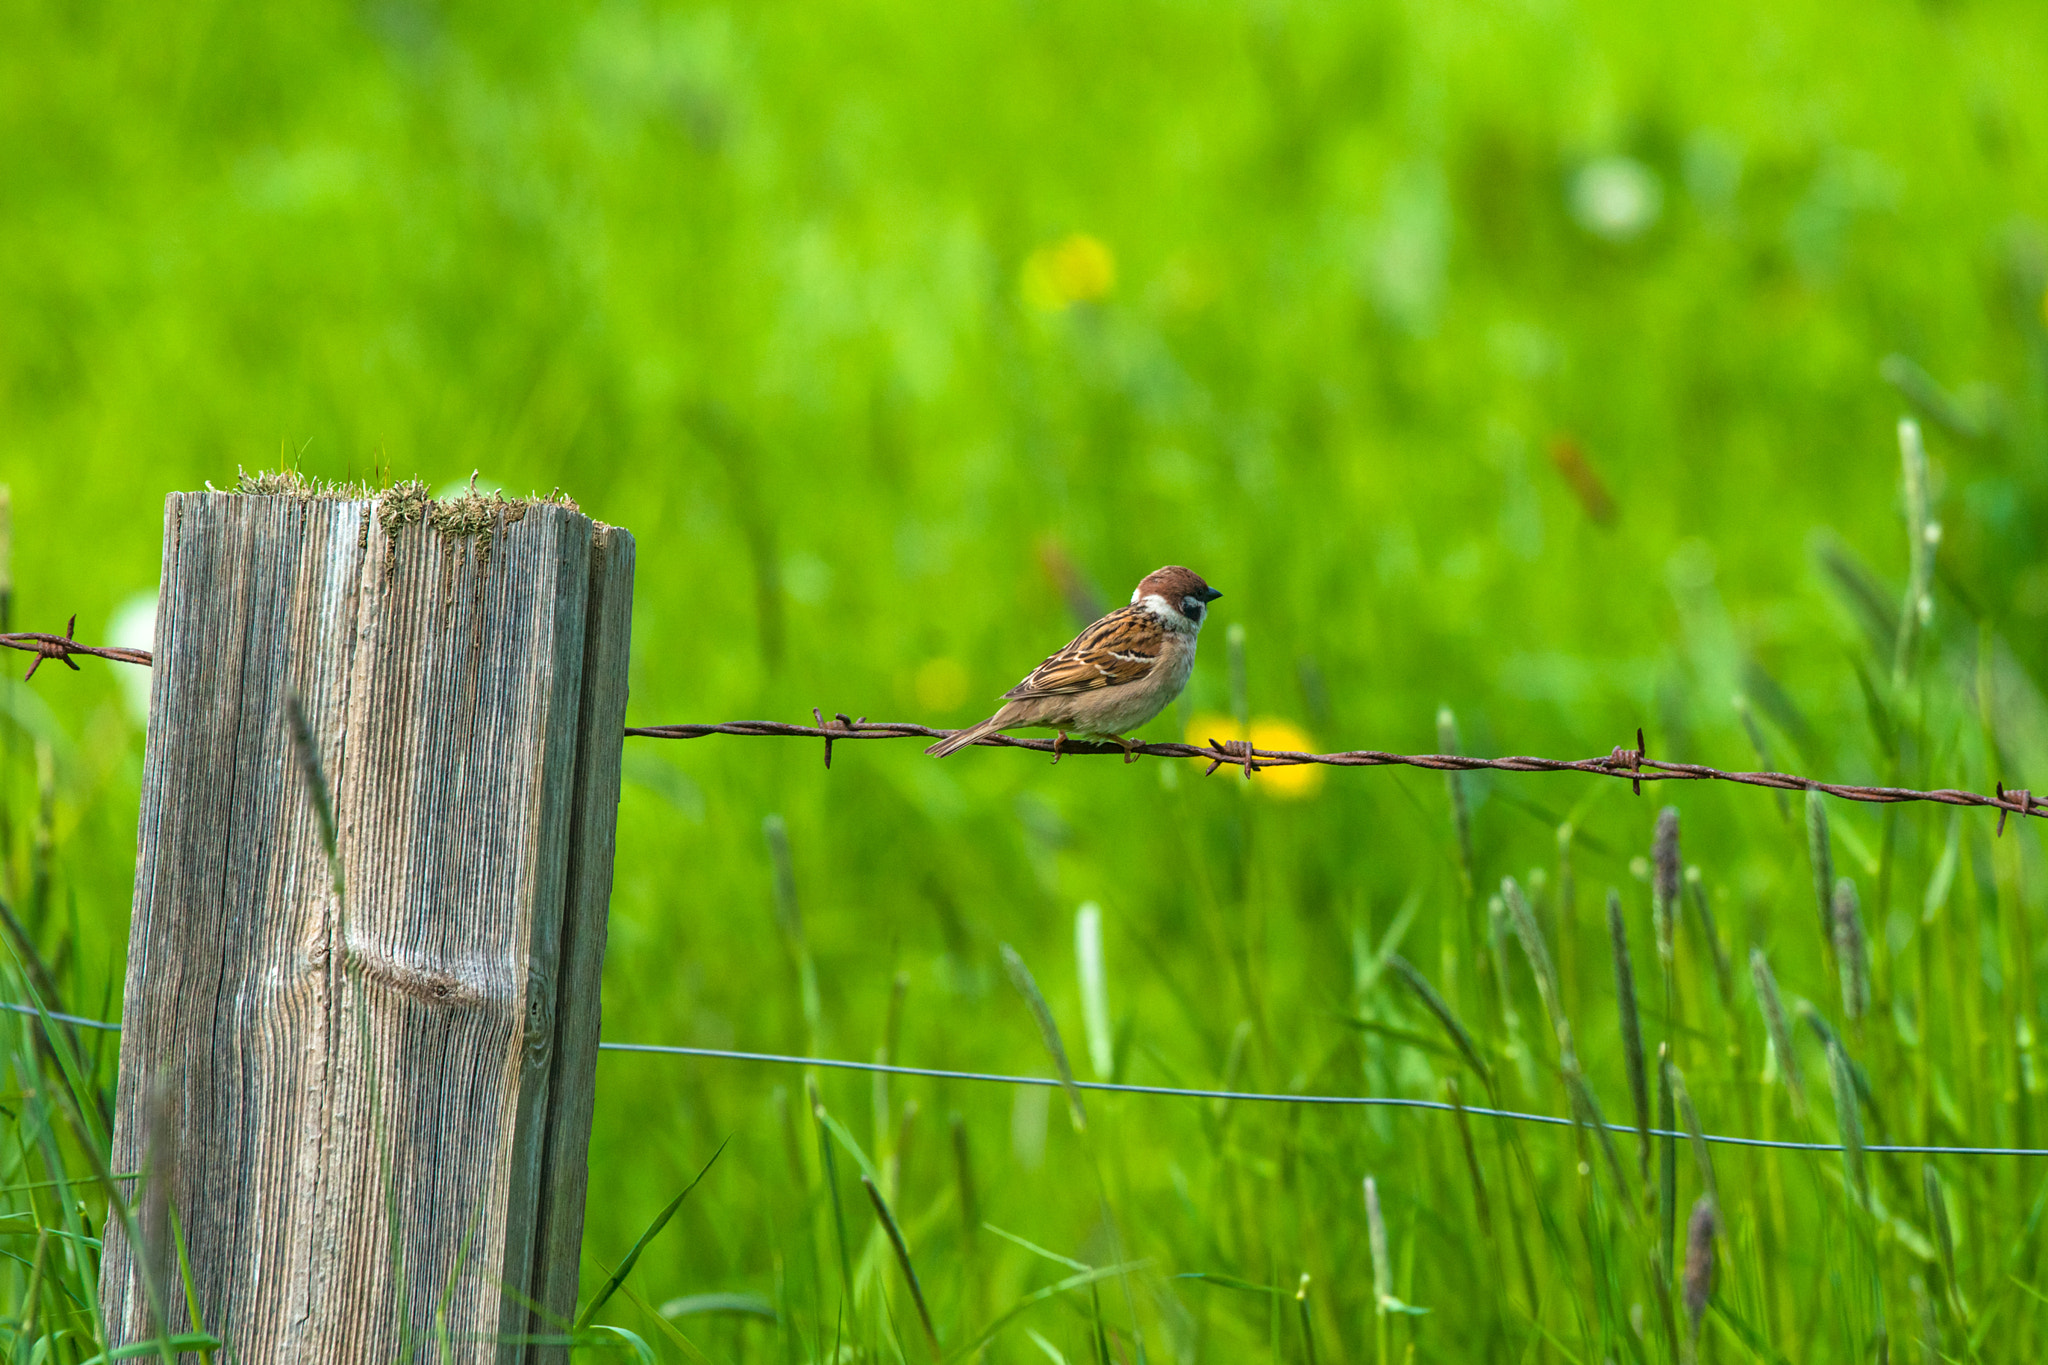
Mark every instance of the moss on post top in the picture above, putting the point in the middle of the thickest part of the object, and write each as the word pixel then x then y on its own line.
pixel 470 515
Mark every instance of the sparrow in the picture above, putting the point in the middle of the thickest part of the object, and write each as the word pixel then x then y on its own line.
pixel 1115 675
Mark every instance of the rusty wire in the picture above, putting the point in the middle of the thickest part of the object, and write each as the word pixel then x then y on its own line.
pixel 63 647
pixel 1630 764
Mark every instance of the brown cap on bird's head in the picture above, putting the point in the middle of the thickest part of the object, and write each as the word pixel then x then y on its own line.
pixel 1175 584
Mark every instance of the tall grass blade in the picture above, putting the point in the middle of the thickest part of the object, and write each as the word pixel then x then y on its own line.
pixel 1376 1241
pixel 1021 978
pixel 1667 1167
pixel 1943 879
pixel 1533 947
pixel 1036 1250
pixel 1082 1280
pixel 829 1170
pixel 1567 917
pixel 1944 1245
pixel 1497 932
pixel 1747 715
pixel 963 1177
pixel 1586 1108
pixel 790 920
pixel 1923 533
pixel 1382 1275
pixel 1631 1024
pixel 924 1314
pixel 1695 1135
pixel 1454 784
pixel 1930 1330
pixel 1703 912
pixel 661 1220
pixel 1435 1004
pixel 1048 1032
pixel 1480 1204
pixel 1308 1328
pixel 1849 1120
pixel 1050 1351
pixel 1094 983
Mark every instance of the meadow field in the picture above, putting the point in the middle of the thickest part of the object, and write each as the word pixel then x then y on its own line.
pixel 1524 372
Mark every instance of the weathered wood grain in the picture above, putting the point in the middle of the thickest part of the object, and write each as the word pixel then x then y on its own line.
pixel 352 1105
pixel 558 1242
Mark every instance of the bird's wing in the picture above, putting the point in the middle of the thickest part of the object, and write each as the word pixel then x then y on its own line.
pixel 1122 648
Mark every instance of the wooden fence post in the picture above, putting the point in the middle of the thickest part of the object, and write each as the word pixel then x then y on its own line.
pixel 369 1117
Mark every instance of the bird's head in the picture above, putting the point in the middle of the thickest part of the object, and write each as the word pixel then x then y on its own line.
pixel 1177 596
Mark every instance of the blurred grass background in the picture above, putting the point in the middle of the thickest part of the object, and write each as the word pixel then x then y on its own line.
pixel 1540 361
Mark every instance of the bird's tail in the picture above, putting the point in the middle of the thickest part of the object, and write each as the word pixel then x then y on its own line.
pixel 960 739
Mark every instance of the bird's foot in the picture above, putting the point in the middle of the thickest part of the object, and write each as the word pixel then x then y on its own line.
pixel 1130 748
pixel 1059 745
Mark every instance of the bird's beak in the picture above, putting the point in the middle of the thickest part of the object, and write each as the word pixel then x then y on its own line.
pixel 1210 594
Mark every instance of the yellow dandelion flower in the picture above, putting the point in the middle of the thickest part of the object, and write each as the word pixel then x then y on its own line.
pixel 1076 269
pixel 1267 732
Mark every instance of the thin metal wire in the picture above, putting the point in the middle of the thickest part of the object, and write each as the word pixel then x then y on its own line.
pixel 1630 765
pixel 77 1019
pixel 1262 1097
pixel 1187 1093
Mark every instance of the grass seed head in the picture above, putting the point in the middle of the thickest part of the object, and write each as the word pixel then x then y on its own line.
pixel 1699 1259
pixel 1821 855
pixel 1664 888
pixel 1852 951
pixel 1531 936
pixel 1773 1009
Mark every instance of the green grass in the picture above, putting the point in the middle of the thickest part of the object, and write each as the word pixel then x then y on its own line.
pixel 767 285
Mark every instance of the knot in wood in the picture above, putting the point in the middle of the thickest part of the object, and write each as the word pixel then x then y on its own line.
pixel 540 1013
pixel 431 986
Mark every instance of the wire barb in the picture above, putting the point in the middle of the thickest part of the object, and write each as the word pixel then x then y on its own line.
pixel 2022 801
pixel 1629 762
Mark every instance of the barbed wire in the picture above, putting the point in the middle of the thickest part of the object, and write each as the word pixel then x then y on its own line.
pixel 1631 765
pixel 1193 1093
pixel 63 648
